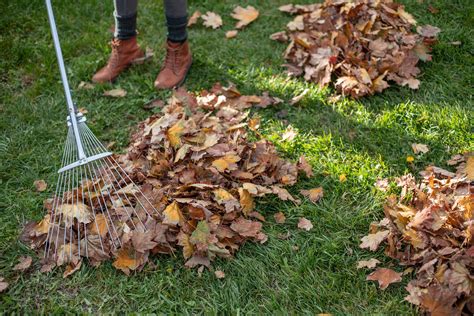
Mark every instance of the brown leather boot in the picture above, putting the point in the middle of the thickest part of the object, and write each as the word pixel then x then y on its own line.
pixel 176 65
pixel 124 53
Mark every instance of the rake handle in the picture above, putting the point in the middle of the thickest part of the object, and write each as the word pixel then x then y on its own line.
pixel 67 91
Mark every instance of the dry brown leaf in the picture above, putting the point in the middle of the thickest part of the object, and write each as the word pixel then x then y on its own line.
pixel 194 18
pixel 3 285
pixel 231 33
pixel 279 217
pixel 469 169
pixel 25 263
pixel 305 224
pixel 385 277
pixel 244 15
pixel 419 148
pixel 71 268
pixel 115 93
pixel 126 260
pixel 314 195
pixel 79 211
pixel 212 19
pixel 219 274
pixel 372 241
pixel 298 98
pixel 370 264
pixel 304 166
pixel 85 85
pixel 172 214
pixel 40 185
pixel 99 226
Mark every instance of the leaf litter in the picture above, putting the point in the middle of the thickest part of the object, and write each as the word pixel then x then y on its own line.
pixel 429 228
pixel 359 45
pixel 196 163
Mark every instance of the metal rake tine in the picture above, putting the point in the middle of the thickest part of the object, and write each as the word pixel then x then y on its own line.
pixel 58 185
pixel 114 163
pixel 85 226
pixel 112 183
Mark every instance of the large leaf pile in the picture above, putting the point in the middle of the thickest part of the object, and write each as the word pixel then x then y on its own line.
pixel 195 162
pixel 360 44
pixel 430 229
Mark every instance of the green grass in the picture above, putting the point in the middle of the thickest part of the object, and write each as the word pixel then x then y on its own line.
pixel 365 139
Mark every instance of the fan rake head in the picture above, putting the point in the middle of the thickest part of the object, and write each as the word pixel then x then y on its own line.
pixel 95 201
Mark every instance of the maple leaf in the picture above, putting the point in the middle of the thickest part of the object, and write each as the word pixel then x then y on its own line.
pixel 305 224
pixel 246 201
pixel 194 18
pixel 25 263
pixel 384 277
pixel 79 211
pixel 99 226
pixel 469 168
pixel 372 241
pixel 174 134
pixel 40 185
pixel 71 268
pixel 304 166
pixel 244 15
pixel 143 241
pixel 172 214
pixel 201 234
pixel 212 19
pixel 245 227
pixel 314 195
pixel 126 260
pixel 370 264
pixel 115 93
pixel 279 217
pixel 228 162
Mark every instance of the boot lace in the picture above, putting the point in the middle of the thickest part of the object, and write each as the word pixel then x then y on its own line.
pixel 172 59
pixel 114 56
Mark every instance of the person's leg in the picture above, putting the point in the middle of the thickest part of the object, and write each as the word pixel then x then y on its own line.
pixel 176 13
pixel 125 15
pixel 178 56
pixel 125 49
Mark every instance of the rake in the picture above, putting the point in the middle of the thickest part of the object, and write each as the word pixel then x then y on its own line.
pixel 95 199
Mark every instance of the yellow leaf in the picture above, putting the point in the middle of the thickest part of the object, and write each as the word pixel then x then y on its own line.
pixel 470 168
pixel 43 226
pixel 125 261
pixel 244 15
pixel 173 215
pixel 246 201
pixel 342 178
pixel 99 225
pixel 78 210
pixel 313 194
pixel 226 162
pixel 188 248
pixel 231 33
pixel 222 195
pixel 174 134
pixel 410 159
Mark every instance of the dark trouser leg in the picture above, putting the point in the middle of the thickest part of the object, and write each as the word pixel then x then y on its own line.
pixel 176 12
pixel 125 18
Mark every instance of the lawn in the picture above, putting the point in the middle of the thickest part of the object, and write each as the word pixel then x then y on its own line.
pixel 309 273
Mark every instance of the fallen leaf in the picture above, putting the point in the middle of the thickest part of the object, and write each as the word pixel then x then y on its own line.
pixel 231 34
pixel 219 274
pixel 410 159
pixel 25 263
pixel 3 285
pixel 314 195
pixel 172 213
pixel 228 162
pixel 126 261
pixel 194 18
pixel 71 268
pixel 298 98
pixel 79 211
pixel 370 264
pixel 212 19
pixel 279 217
pixel 433 10
pixel 304 166
pixel 428 30
pixel 99 226
pixel 384 277
pixel 40 185
pixel 85 85
pixel 305 224
pixel 372 241
pixel 470 168
pixel 115 93
pixel 342 177
pixel 420 148
pixel 244 15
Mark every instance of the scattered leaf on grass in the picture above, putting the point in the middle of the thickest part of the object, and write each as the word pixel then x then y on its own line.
pixel 279 217
pixel 212 19
pixel 40 185
pixel 231 34
pixel 299 97
pixel 420 148
pixel 115 93
pixel 305 224
pixel 194 18
pixel 25 263
pixel 372 241
pixel 85 85
pixel 244 15
pixel 314 195
pixel 304 166
pixel 370 264
pixel 410 159
pixel 219 274
pixel 384 277
pixel 157 103
pixel 3 285
pixel 71 268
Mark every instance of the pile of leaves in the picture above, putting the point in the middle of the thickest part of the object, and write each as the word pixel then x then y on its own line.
pixel 361 44
pixel 429 228
pixel 196 164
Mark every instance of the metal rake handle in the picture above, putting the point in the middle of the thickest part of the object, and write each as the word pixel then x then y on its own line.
pixel 70 105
